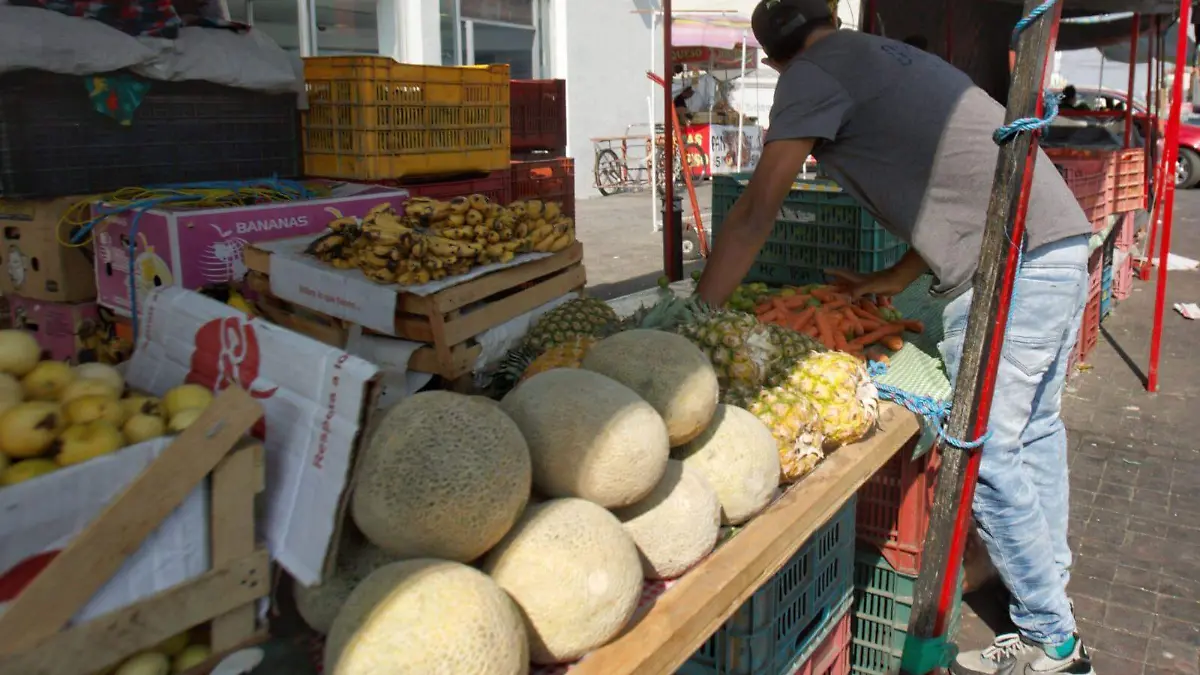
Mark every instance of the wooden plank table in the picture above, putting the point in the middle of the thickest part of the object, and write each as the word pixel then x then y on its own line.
pixel 684 617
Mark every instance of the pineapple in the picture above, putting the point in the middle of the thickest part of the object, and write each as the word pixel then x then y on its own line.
pixel 795 424
pixel 840 388
pixel 566 355
pixel 793 348
pixel 739 347
pixel 581 317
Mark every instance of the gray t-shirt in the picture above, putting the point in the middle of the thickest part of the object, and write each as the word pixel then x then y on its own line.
pixel 910 137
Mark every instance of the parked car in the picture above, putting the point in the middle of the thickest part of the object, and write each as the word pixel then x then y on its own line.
pixel 1187 166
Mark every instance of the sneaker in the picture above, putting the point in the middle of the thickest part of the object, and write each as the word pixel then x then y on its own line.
pixel 1013 655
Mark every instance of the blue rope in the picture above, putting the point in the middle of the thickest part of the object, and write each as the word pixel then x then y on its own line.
pixel 932 411
pixel 1027 21
pixel 1025 124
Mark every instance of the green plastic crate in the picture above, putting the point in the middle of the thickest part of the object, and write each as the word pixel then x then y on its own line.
pixel 818 227
pixel 883 600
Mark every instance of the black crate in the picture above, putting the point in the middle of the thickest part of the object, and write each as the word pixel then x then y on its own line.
pixel 54 143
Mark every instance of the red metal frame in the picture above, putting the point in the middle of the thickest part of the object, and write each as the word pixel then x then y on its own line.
pixel 687 173
pixel 1133 40
pixel 1170 156
pixel 671 244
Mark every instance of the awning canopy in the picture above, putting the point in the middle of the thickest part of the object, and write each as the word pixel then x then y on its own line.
pixel 717 31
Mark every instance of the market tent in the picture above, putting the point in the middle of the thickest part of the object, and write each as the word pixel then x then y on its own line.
pixel 719 31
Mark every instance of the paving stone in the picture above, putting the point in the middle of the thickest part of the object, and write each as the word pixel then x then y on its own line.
pixel 1172 657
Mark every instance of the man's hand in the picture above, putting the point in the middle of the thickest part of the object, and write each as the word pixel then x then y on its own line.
pixel 884 282
pixel 877 283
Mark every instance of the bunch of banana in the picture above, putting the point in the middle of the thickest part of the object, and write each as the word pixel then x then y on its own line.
pixel 549 231
pixel 338 244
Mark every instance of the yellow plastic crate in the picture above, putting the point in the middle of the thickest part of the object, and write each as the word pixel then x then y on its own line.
pixel 371 118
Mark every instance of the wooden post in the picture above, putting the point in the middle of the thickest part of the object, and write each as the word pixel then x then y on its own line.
pixel 974 386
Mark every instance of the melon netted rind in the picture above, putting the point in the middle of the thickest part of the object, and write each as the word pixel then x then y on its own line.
pixel 666 370
pixel 575 574
pixel 444 475
pixel 676 525
pixel 427 617
pixel 740 459
pixel 318 604
pixel 589 437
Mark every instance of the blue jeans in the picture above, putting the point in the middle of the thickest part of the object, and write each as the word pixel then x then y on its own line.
pixel 1021 499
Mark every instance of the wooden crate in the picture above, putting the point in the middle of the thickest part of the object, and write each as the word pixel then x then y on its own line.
pixel 447 321
pixel 37 639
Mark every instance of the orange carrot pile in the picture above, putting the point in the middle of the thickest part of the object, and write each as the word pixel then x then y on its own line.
pixel 862 327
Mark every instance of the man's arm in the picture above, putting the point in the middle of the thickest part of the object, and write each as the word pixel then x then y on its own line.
pixel 749 222
pixel 884 282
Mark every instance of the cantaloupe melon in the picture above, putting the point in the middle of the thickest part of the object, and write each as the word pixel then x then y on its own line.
pixel 665 369
pixel 444 475
pixel 739 457
pixel 427 617
pixel 575 574
pixel 589 436
pixel 318 604
pixel 676 525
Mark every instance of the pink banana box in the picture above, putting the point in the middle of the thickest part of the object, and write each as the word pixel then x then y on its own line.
pixel 65 331
pixel 194 248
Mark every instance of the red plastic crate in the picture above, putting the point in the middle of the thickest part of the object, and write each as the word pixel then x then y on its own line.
pixel 1089 331
pixel 1128 183
pixel 833 656
pixel 539 115
pixel 1088 180
pixel 550 180
pixel 497 187
pixel 1123 279
pixel 1124 234
pixel 894 505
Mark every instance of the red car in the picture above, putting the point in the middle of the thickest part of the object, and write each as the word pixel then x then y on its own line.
pixel 1112 102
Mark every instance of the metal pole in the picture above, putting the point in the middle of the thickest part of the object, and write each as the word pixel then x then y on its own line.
pixel 305 22
pixel 655 214
pixel 974 387
pixel 1160 170
pixel 1151 119
pixel 1133 50
pixel 742 114
pixel 672 227
pixel 1172 152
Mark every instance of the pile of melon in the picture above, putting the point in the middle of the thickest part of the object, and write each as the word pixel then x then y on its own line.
pixel 495 536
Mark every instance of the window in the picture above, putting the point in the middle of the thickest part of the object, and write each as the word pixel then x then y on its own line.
pixel 479 32
pixel 346 27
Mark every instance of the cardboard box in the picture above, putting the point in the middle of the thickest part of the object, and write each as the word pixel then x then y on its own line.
pixel 315 403
pixel 194 248
pixel 66 331
pixel 37 265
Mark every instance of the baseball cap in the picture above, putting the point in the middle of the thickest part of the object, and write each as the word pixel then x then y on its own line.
pixel 779 24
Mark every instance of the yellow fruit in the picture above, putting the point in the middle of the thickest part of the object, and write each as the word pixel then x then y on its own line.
pixel 47 380
pixel 103 372
pixel 82 442
pixel 11 392
pixel 184 419
pixel 142 404
pixel 94 407
pixel 19 352
pixel 80 388
pixel 26 470
pixel 146 663
pixel 142 427
pixel 28 429
pixel 186 397
pixel 174 645
pixel 191 657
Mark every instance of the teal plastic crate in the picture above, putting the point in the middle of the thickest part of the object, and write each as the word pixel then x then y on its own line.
pixel 818 227
pixel 786 620
pixel 883 600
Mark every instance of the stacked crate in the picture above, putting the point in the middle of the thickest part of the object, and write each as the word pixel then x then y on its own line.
pixel 437 131
pixel 540 167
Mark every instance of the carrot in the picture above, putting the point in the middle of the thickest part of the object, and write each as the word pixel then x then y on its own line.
pixel 777 303
pixel 878 334
pixel 824 328
pixel 836 303
pixel 893 342
pixel 801 320
pixel 912 325
pixel 878 356
pixel 869 307
pixel 853 321
pixel 840 343
pixel 811 331
pixel 770 316
pixel 796 301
